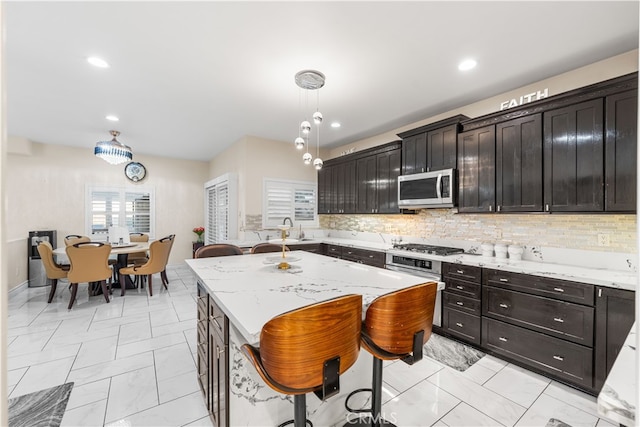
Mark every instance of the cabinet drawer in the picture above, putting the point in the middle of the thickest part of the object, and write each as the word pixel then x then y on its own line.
pixel 334 251
pixel 464 272
pixel 462 287
pixel 561 319
pixel 364 256
pixel 555 356
pixel 462 325
pixel 217 320
pixel 580 293
pixel 462 303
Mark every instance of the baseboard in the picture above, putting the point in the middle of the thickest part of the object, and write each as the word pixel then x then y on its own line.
pixel 20 287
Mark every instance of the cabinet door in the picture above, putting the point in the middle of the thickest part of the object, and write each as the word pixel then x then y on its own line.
pixel 414 154
pixel 620 151
pixel 574 158
pixel 337 188
pixel 519 165
pixel 476 163
pixel 388 170
pixel 615 314
pixel 324 190
pixel 350 187
pixel 442 148
pixel 367 185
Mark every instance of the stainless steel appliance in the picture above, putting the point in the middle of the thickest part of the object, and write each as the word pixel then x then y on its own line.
pixel 403 261
pixel 35 269
pixel 436 189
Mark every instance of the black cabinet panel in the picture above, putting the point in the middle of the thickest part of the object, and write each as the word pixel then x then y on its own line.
pixel 442 148
pixel 462 325
pixel 519 165
pixel 388 170
pixel 477 166
pixel 574 157
pixel 621 146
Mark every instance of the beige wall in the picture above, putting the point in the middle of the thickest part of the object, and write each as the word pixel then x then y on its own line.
pixel 607 69
pixel 46 184
pixel 253 159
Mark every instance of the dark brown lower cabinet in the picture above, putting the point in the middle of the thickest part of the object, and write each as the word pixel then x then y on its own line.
pixel 361 256
pixel 312 247
pixel 615 314
pixel 213 357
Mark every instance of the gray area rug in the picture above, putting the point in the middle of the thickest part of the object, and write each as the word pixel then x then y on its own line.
pixel 43 408
pixel 451 353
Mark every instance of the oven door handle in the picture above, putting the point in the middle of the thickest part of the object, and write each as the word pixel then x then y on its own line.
pixel 439 186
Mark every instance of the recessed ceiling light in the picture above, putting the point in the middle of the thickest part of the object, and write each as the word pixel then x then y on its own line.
pixel 467 64
pixel 97 62
pixel 335 125
pixel 112 118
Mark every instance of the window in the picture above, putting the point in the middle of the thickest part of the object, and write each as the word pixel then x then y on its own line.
pixel 293 199
pixel 133 209
pixel 222 209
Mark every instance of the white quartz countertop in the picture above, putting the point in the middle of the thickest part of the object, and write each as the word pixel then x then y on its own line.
pixel 617 398
pixel 251 290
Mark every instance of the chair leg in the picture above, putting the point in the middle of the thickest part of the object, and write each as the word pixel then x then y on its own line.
pixel 105 291
pixel 54 284
pixel 74 292
pixel 165 281
pixel 150 286
pixel 300 410
pixel 123 286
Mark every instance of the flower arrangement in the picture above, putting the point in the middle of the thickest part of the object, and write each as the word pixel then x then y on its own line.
pixel 199 231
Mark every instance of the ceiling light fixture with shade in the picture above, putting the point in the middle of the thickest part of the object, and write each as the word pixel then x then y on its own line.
pixel 113 152
pixel 310 80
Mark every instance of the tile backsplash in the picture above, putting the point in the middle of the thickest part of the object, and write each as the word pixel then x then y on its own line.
pixel 590 232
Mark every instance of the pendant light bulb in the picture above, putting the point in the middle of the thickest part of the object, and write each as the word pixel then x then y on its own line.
pixel 305 127
pixel 306 158
pixel 317 163
pixel 317 117
pixel 299 143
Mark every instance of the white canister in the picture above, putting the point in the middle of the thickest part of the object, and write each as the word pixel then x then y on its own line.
pixel 486 249
pixel 515 252
pixel 501 250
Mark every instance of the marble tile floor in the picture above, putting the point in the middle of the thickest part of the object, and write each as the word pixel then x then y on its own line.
pixel 133 363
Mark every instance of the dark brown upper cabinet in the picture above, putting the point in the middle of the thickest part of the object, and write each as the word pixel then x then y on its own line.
pixel 388 170
pixel 477 170
pixel 574 158
pixel 621 142
pixel 519 165
pixel 431 147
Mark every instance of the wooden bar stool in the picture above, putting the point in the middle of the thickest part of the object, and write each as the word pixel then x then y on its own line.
pixel 307 349
pixel 397 325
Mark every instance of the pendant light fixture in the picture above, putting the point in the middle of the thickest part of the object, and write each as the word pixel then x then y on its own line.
pixel 113 152
pixel 310 80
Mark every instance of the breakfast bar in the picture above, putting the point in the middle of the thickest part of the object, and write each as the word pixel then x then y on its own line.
pixel 246 291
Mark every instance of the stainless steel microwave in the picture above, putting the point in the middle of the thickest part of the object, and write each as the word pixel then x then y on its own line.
pixel 436 189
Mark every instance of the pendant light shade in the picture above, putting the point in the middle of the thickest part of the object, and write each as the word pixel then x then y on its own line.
pixel 113 152
pixel 310 80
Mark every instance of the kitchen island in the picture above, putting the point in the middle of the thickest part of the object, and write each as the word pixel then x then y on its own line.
pixel 250 290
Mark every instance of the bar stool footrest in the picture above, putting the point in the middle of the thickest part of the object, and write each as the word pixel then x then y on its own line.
pixel 354 392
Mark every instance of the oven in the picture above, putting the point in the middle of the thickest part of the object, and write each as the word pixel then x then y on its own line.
pixel 429 269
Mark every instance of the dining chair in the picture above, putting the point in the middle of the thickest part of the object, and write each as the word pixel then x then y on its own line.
pixel 75 238
pixel 138 257
pixel 163 273
pixel 307 349
pixel 158 258
pixel 265 247
pixel 89 264
pixel 53 270
pixel 218 249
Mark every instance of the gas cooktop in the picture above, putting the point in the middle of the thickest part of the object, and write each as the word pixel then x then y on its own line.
pixel 427 249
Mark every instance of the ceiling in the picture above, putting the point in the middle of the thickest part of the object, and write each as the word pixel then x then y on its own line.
pixel 188 79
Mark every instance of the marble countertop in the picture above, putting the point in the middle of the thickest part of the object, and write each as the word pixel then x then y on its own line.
pixel 617 399
pixel 251 290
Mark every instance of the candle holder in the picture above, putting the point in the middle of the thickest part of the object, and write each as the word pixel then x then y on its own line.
pixel 284 265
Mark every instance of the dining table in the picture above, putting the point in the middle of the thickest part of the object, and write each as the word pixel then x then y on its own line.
pixel 120 251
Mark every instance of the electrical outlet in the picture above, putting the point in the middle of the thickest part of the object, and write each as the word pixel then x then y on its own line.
pixel 604 240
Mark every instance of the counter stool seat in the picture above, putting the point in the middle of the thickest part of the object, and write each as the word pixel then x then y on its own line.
pixel 307 349
pixel 396 326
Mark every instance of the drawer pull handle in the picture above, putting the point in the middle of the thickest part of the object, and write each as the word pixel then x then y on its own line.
pixel 460 303
pixel 216 322
pixel 503 339
pixel 459 325
pixel 460 271
pixel 560 358
pixel 557 319
pixel 504 280
pixel 459 287
pixel 558 289
pixel 370 256
pixel 503 305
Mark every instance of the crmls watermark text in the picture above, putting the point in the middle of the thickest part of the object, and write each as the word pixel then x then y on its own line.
pixel 530 97
pixel 380 418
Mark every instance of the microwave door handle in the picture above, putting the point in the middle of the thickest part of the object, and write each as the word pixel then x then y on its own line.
pixel 439 186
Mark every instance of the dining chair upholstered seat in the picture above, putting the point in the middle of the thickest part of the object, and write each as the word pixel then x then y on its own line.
pixel 217 249
pixel 53 270
pixel 396 326
pixel 262 248
pixel 89 263
pixel 158 258
pixel 75 238
pixel 138 257
pixel 307 349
